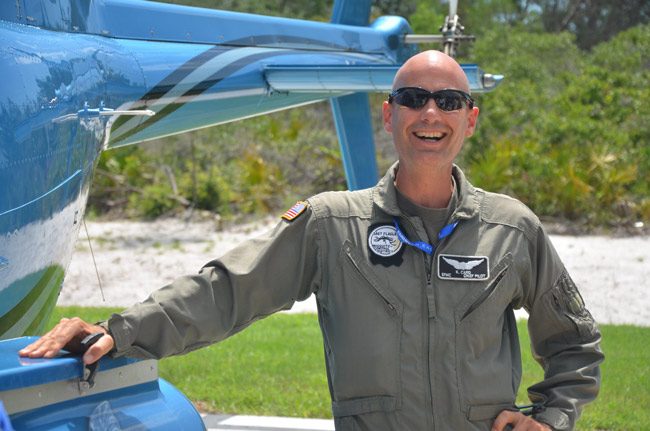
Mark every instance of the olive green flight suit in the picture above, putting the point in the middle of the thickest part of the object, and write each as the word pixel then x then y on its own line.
pixel 408 345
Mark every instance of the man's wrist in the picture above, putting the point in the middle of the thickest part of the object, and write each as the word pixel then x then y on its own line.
pixel 545 425
pixel 554 418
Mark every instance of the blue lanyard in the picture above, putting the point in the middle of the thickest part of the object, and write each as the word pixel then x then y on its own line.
pixel 421 245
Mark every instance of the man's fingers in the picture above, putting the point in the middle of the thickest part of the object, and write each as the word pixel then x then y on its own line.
pixel 516 421
pixel 67 334
pixel 45 349
pixel 505 417
pixel 25 351
pixel 99 349
pixel 42 342
pixel 44 346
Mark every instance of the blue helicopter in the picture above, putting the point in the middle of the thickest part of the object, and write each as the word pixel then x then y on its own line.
pixel 78 77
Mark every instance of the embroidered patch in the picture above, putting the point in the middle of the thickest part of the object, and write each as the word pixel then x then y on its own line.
pixel 293 212
pixel 469 268
pixel 383 241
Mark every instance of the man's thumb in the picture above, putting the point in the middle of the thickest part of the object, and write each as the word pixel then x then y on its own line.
pixel 99 349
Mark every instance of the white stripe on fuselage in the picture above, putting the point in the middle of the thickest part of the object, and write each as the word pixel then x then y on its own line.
pixel 202 73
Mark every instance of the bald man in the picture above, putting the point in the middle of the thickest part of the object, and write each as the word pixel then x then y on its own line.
pixel 416 280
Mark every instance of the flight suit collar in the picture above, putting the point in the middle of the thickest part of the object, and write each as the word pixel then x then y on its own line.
pixel 468 199
pixel 385 195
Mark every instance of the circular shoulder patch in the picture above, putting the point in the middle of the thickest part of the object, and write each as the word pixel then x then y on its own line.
pixel 383 241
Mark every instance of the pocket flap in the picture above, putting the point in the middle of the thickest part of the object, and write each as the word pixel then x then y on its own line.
pixel 358 406
pixel 487 411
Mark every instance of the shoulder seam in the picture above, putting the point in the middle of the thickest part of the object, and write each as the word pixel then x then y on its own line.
pixel 530 234
pixel 324 212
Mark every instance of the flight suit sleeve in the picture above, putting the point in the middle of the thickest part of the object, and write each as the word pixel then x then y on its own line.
pixel 257 278
pixel 564 339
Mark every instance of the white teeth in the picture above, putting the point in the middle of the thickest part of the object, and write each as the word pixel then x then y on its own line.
pixel 430 135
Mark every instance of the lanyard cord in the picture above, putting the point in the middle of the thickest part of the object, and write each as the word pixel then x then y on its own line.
pixel 421 245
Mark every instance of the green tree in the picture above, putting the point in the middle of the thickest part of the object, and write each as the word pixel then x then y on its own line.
pixel 592 21
pixel 564 132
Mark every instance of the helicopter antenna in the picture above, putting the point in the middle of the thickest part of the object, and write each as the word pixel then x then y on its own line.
pixel 451 32
pixel 92 253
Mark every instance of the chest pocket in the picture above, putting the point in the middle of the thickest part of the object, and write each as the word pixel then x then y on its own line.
pixel 487 347
pixel 490 299
pixel 361 322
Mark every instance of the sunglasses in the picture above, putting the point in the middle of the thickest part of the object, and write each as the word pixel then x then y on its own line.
pixel 446 100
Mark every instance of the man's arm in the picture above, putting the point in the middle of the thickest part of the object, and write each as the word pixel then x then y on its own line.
pixel 564 340
pixel 257 278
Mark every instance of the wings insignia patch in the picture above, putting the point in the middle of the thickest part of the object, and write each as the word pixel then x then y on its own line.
pixel 469 268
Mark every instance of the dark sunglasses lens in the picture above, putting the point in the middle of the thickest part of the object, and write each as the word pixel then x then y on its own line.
pixel 448 100
pixel 412 98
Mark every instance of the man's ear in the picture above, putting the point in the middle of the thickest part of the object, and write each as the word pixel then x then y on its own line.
pixel 388 116
pixel 472 118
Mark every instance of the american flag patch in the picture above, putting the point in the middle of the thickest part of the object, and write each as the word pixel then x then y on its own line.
pixel 293 212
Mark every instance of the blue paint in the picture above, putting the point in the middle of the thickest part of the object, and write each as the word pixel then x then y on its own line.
pixel 351 12
pixel 143 20
pixel 151 405
pixel 56 188
pixel 354 129
pixel 17 372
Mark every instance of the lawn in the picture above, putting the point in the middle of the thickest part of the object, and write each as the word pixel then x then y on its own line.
pixel 276 367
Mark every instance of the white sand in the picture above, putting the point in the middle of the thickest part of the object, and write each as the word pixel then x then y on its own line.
pixel 134 258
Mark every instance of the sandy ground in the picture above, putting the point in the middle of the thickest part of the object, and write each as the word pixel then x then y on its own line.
pixel 134 258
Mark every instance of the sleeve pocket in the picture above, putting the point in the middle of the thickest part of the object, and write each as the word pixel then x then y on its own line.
pixel 569 302
pixel 359 406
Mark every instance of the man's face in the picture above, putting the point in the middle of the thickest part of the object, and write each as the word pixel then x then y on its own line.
pixel 429 137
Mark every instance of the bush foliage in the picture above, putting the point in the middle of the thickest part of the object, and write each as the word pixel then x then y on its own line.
pixel 567 133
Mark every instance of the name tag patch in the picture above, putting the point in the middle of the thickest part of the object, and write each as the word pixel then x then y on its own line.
pixel 468 268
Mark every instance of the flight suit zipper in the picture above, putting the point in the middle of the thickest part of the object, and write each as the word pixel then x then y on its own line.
pixel 431 307
pixel 436 251
pixel 486 292
pixel 426 327
pixel 390 307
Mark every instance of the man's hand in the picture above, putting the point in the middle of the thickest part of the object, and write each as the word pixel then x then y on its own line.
pixel 518 422
pixel 68 334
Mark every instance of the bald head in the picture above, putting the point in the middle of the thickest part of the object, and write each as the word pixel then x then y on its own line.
pixel 432 70
pixel 428 137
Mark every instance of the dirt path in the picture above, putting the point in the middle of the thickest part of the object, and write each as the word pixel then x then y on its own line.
pixel 135 258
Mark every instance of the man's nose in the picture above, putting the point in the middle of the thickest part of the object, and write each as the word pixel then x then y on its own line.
pixel 430 109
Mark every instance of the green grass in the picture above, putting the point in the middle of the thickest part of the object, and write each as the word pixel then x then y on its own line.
pixel 276 367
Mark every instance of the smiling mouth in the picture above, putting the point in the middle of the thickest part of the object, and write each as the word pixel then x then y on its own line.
pixel 430 136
